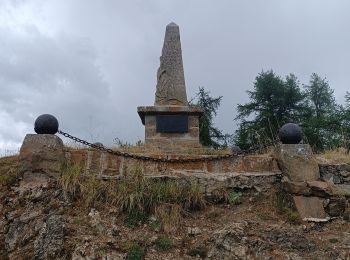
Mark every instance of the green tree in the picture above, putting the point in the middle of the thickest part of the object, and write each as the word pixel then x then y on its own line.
pixel 345 130
pixel 209 135
pixel 273 102
pixel 322 121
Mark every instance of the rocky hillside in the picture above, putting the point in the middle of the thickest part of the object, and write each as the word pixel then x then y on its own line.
pixel 81 217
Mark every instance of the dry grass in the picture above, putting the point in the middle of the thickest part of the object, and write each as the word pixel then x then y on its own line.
pixel 166 199
pixel 9 167
pixel 340 155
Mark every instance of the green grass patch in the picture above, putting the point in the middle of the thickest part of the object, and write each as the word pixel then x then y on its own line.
pixel 234 198
pixel 163 243
pixel 135 252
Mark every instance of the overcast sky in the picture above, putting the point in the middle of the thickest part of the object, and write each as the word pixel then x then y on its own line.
pixel 91 63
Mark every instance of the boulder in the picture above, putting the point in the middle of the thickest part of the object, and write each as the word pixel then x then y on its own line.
pixel 42 153
pixel 297 162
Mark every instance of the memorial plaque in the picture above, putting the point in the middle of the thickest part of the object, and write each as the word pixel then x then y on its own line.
pixel 172 123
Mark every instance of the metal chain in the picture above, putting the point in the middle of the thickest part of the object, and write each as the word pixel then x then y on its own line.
pixel 147 158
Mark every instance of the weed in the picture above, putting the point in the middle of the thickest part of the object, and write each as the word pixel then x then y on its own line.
pixel 135 252
pixel 169 215
pixel 155 226
pixel 93 190
pixel 135 218
pixel 193 197
pixel 200 251
pixel 70 179
pixel 293 217
pixel 163 243
pixel 234 198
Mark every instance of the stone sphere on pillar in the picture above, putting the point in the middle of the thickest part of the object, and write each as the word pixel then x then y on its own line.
pixel 46 124
pixel 236 149
pixel 290 133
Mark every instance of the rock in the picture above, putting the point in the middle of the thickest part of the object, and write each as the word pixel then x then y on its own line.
pixel 341 190
pixel 42 154
pixel 295 187
pixel 320 188
pixel 310 208
pixel 171 88
pixel 193 231
pixel 336 206
pixel 49 243
pixel 229 243
pixel 297 162
pixel 96 221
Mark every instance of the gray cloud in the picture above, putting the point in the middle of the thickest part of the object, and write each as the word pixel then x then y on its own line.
pixel 91 63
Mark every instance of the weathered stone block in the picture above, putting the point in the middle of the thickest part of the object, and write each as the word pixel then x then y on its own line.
pixel 320 188
pixel 297 162
pixel 42 154
pixel 295 187
pixel 310 208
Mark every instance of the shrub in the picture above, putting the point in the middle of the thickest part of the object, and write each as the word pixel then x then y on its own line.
pixel 135 252
pixel 163 243
pixel 135 218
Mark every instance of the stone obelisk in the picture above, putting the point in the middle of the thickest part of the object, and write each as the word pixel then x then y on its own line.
pixel 171 123
pixel 171 88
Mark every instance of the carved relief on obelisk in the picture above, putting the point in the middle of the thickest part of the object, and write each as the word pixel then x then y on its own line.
pixel 171 88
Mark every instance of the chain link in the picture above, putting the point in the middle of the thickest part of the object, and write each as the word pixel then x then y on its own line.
pixel 147 158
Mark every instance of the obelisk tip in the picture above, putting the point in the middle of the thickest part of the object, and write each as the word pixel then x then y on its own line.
pixel 172 24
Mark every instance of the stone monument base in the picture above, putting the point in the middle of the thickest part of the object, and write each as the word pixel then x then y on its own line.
pixel 171 127
pixel 42 153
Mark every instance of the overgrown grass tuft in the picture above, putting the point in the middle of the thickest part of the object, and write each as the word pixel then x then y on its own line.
pixel 135 252
pixel 136 195
pixel 163 243
pixel 234 198
pixel 8 171
pixel 69 180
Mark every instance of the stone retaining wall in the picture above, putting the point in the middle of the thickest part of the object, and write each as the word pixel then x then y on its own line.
pixel 96 162
pixel 336 173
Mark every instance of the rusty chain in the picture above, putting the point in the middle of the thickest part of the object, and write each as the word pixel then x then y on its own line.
pixel 147 158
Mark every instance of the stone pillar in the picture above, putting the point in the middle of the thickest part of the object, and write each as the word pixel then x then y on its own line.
pixel 301 179
pixel 42 154
pixel 297 162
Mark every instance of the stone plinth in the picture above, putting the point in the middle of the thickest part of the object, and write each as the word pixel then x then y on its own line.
pixel 42 153
pixel 297 162
pixel 170 140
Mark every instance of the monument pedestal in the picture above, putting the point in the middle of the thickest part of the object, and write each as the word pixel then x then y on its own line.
pixel 171 127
